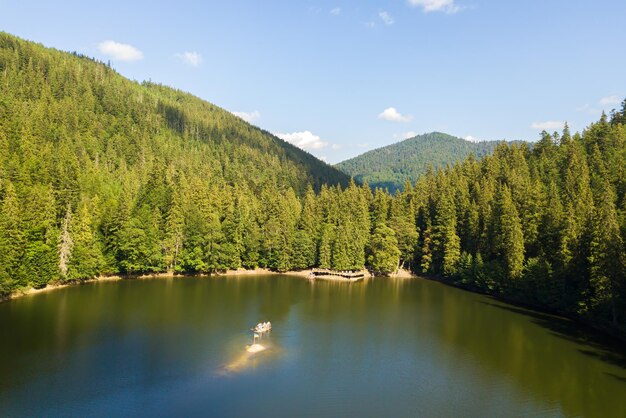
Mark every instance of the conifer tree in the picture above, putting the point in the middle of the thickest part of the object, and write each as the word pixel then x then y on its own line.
pixel 446 242
pixel 509 237
pixel 11 238
pixel 85 260
pixel 607 258
pixel 384 255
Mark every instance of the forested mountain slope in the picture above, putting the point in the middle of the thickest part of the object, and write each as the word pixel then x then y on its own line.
pixel 392 166
pixel 88 156
pixel 100 175
pixel 58 102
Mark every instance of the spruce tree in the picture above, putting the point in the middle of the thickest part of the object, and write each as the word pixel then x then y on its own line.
pixel 384 255
pixel 607 258
pixel 11 239
pixel 85 260
pixel 509 237
pixel 446 242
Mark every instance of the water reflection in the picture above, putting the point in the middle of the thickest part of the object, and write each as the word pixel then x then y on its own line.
pixel 379 347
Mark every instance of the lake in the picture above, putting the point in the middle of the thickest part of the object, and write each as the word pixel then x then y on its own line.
pixel 382 347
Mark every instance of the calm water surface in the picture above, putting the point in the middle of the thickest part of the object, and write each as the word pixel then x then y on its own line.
pixel 402 348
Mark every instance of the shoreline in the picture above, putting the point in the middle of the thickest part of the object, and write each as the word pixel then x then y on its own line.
pixel 585 324
pixel 602 329
pixel 19 293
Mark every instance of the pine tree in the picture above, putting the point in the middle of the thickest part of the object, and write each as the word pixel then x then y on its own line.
pixel 11 239
pixel 509 237
pixel 446 242
pixel 340 258
pixel 384 255
pixel 174 232
pixel 85 260
pixel 607 258
pixel 308 226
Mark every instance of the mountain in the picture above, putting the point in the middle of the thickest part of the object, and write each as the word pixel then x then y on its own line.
pixel 100 174
pixel 391 166
pixel 51 100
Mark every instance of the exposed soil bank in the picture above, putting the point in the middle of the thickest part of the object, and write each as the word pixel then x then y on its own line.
pixel 32 291
pixel 403 274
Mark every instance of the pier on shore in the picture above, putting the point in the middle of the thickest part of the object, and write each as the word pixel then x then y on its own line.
pixel 351 276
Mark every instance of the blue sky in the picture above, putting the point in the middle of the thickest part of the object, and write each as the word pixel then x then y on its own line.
pixel 341 77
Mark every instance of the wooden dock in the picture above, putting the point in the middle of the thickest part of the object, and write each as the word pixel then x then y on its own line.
pixel 351 276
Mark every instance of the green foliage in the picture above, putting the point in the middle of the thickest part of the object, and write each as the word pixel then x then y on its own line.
pixel 446 242
pixel 384 255
pixel 11 238
pixel 39 264
pixel 606 256
pixel 99 174
pixel 86 259
pixel 102 175
pixel 508 234
pixel 392 166
pixel 545 225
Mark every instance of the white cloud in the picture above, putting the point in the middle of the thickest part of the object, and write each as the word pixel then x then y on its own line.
pixel 445 6
pixel 370 24
pixel 588 109
pixel 386 18
pixel 393 115
pixel 120 52
pixel 248 116
pixel 471 138
pixel 335 146
pixel 336 11
pixel 323 158
pixel 409 134
pixel 305 140
pixel 548 125
pixel 609 100
pixel 192 58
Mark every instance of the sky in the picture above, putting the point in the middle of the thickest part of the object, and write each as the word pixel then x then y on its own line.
pixel 338 78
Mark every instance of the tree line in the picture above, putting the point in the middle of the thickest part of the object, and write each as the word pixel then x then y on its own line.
pixel 545 224
pixel 101 175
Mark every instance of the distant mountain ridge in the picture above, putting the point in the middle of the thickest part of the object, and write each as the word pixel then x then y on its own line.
pixel 391 166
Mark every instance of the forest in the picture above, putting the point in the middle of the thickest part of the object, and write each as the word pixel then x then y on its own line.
pixel 392 166
pixel 100 175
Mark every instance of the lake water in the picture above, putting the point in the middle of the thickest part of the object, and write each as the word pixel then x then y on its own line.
pixel 382 347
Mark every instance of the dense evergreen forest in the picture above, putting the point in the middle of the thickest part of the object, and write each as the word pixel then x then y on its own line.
pixel 545 225
pixel 392 166
pixel 101 175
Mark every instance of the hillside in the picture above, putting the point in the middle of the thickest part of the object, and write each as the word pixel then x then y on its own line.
pixel 86 154
pixel 391 166
pixel 100 175
pixel 51 99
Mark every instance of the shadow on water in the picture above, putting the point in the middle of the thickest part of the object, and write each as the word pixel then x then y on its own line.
pixel 596 344
pixel 616 377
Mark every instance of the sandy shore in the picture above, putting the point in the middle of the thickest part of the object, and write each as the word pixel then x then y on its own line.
pixel 32 291
pixel 403 274
pixel 239 272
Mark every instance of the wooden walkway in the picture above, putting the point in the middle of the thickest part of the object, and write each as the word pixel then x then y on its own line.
pixel 348 275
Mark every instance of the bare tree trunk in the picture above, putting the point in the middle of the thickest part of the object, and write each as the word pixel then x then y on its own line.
pixel 65 242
